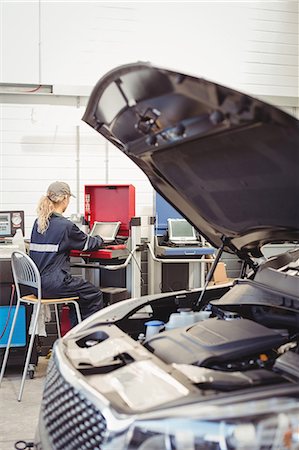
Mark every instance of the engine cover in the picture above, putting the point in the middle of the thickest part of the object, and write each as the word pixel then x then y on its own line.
pixel 214 341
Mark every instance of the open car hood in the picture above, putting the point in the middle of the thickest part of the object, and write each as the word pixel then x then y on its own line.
pixel 226 161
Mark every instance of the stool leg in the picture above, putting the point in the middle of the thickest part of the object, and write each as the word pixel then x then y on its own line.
pixel 4 362
pixel 57 321
pixel 77 311
pixel 28 356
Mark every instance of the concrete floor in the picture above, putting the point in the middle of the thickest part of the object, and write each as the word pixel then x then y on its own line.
pixel 18 420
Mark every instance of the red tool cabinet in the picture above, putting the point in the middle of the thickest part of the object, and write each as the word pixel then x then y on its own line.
pixel 110 203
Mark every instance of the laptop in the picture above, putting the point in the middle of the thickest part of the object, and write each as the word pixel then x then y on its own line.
pixel 180 232
pixel 107 230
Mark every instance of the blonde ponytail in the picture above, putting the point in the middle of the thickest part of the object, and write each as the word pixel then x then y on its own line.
pixel 45 209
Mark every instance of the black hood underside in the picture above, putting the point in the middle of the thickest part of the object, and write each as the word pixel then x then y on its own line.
pixel 226 161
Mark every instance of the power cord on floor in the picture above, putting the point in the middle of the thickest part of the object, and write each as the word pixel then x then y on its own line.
pixel 23 445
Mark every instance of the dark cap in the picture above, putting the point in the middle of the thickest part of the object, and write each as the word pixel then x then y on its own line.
pixel 58 189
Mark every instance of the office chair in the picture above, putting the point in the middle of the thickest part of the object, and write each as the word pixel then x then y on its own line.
pixel 26 273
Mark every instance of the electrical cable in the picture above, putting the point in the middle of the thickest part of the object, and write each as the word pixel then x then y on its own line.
pixel 142 279
pixel 23 445
pixel 9 310
pixel 139 268
pixel 33 90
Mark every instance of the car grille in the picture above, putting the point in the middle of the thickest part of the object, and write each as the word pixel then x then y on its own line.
pixel 71 420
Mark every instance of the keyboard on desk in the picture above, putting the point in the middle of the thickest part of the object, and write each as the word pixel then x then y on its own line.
pixel 114 247
pixel 114 243
pixel 185 244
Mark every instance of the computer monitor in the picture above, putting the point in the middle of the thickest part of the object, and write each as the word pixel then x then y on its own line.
pixel 180 231
pixel 107 230
pixel 10 222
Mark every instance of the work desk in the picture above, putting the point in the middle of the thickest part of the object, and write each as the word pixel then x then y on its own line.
pixel 118 259
pixel 183 252
pixel 103 258
pixel 177 267
pixel 105 255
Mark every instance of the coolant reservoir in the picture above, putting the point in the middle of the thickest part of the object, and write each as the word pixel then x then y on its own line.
pixel 153 327
pixel 185 317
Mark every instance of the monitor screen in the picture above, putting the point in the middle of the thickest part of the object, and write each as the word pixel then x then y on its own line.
pixel 180 230
pixel 10 222
pixel 107 230
pixel 5 224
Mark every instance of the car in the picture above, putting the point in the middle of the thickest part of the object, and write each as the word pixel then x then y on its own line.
pixel 223 372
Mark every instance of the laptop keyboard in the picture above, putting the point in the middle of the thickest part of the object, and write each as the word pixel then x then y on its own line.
pixel 185 244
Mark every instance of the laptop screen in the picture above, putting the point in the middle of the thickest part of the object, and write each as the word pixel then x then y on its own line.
pixel 179 230
pixel 107 230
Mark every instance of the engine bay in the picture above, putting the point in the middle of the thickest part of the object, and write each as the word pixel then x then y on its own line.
pixel 246 337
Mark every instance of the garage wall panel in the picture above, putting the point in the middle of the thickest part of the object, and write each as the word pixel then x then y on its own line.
pixel 35 155
pixel 85 39
pixel 60 161
pixel 81 41
pixel 270 64
pixel 19 40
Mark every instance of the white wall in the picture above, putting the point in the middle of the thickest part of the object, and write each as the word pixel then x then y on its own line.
pixel 39 145
pixel 252 46
pixel 270 59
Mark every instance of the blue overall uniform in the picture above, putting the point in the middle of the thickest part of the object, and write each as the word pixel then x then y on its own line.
pixel 51 253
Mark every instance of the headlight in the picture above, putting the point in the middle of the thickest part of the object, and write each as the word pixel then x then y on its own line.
pixel 273 432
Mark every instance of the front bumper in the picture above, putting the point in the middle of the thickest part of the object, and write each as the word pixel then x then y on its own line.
pixel 73 415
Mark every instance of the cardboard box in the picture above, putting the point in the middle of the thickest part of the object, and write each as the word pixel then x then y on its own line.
pixel 220 275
